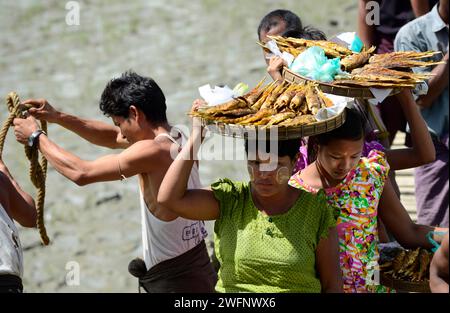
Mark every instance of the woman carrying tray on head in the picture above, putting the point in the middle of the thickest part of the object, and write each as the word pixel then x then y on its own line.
pixel 421 152
pixel 287 24
pixel 269 237
pixel 359 191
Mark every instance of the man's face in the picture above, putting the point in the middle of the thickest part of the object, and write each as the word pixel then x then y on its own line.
pixel 125 125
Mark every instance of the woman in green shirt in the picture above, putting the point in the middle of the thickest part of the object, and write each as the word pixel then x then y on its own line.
pixel 269 237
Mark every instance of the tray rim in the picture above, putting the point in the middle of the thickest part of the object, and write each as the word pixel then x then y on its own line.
pixel 284 133
pixel 346 91
pixel 404 285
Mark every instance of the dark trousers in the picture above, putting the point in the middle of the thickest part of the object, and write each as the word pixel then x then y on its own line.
pixel 431 184
pixel 190 272
pixel 10 284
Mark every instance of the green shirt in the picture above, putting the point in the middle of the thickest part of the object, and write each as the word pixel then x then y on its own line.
pixel 261 253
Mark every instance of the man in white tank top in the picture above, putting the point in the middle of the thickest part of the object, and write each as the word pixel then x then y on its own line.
pixel 137 107
pixel 15 205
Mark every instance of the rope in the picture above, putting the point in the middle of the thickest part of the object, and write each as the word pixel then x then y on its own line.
pixel 38 171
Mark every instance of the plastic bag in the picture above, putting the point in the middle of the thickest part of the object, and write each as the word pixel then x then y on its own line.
pixel 313 64
pixel 219 95
pixel 352 40
pixel 339 104
pixel 273 47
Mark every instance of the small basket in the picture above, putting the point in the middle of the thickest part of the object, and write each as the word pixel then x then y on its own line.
pixel 282 133
pixel 330 88
pixel 404 286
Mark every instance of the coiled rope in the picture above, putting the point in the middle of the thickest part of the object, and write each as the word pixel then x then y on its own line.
pixel 38 171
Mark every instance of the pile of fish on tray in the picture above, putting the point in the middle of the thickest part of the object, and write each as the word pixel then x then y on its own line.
pixel 366 69
pixel 409 265
pixel 278 104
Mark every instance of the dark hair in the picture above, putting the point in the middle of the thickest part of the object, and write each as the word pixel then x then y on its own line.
pixel 293 33
pixel 352 129
pixel 308 32
pixel 273 18
pixel 312 33
pixel 288 148
pixel 133 89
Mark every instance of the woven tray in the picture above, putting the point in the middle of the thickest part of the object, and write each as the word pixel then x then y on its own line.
pixel 352 92
pixel 403 285
pixel 283 133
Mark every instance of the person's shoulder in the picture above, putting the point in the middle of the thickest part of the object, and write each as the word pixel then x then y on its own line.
pixel 376 162
pixel 229 186
pixel 414 27
pixel 304 180
pixel 376 156
pixel 314 199
pixel 146 147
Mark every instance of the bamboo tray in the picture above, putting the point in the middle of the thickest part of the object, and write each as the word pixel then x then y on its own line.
pixel 283 133
pixel 351 92
pixel 404 285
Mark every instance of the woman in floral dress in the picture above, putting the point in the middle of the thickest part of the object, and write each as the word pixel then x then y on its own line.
pixel 358 190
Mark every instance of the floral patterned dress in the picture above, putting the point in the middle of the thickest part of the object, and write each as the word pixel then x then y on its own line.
pixel 355 201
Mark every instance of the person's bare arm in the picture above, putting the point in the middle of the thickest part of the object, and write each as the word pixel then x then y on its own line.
pixel 420 7
pixel 195 204
pixel 422 151
pixel 398 222
pixel 439 269
pixel 327 263
pixel 21 205
pixel 436 85
pixel 96 132
pixel 141 157
pixel 365 32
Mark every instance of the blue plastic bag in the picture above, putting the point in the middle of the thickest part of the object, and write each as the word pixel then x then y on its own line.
pixel 357 44
pixel 313 64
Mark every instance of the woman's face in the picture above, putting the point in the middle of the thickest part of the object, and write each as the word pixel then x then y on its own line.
pixel 269 179
pixel 340 156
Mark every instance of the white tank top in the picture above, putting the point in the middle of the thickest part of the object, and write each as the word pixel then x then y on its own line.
pixel 163 240
pixel 11 258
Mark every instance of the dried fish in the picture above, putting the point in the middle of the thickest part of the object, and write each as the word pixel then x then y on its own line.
pixel 297 100
pixel 312 100
pixel 266 93
pixel 274 95
pixel 257 116
pixel 299 120
pixel 255 93
pixel 324 100
pixel 230 105
pixel 355 60
pixel 278 118
pixel 409 265
pixel 285 98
